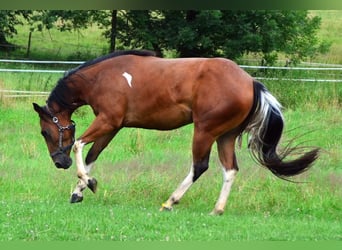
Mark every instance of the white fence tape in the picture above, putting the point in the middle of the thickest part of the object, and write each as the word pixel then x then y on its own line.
pixel 20 93
pixel 242 66
pixel 32 70
pixel 23 91
pixel 328 66
pixel 289 68
pixel 36 62
pixel 40 62
pixel 297 79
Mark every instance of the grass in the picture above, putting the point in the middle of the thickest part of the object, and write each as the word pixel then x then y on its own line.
pixel 330 31
pixel 84 44
pixel 142 224
pixel 141 168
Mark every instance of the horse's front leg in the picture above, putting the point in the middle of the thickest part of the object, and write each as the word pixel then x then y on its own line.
pixel 83 170
pixel 82 173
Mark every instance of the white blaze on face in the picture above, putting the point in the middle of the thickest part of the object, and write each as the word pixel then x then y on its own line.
pixel 128 78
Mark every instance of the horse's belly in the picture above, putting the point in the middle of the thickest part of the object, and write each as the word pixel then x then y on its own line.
pixel 162 119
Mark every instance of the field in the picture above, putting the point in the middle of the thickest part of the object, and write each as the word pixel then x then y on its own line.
pixel 330 29
pixel 141 168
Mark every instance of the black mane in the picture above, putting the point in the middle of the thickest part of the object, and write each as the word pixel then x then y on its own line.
pixel 61 90
pixel 111 55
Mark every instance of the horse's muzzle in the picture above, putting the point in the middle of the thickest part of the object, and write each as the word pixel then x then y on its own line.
pixel 62 160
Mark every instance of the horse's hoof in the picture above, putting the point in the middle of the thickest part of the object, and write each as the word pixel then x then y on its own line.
pixel 217 212
pixel 165 207
pixel 76 198
pixel 92 184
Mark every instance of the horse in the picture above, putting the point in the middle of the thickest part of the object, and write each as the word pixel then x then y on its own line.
pixel 137 89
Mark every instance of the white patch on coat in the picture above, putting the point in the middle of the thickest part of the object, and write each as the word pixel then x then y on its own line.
pixel 128 78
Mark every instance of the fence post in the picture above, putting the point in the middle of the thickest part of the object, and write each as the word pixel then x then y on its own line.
pixel 29 45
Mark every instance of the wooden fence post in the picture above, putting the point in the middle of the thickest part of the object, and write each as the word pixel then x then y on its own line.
pixel 29 45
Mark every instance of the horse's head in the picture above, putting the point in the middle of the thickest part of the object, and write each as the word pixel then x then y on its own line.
pixel 58 134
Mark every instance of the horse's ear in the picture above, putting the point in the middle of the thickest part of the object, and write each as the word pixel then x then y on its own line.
pixel 37 108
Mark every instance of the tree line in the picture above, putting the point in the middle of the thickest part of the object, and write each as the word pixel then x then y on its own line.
pixel 189 33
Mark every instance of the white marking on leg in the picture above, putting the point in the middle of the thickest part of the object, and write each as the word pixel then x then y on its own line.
pixel 180 191
pixel 81 184
pixel 82 173
pixel 82 170
pixel 184 186
pixel 128 78
pixel 78 147
pixel 228 179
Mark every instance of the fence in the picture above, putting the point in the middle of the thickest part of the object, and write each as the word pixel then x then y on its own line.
pixel 20 93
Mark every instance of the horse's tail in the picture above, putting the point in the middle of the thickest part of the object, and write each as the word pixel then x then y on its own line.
pixel 265 128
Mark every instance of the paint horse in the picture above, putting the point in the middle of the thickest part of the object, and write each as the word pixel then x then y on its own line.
pixel 137 89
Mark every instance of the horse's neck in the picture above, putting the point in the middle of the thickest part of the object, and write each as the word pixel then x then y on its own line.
pixel 55 108
pixel 67 99
pixel 76 98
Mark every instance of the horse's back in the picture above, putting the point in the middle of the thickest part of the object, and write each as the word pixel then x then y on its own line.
pixel 168 93
pixel 219 93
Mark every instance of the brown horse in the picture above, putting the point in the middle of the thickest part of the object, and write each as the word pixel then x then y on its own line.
pixel 137 89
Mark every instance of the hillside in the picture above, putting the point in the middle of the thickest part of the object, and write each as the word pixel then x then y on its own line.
pixel 331 30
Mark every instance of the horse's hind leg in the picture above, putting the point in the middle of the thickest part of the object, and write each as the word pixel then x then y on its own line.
pixel 226 151
pixel 202 143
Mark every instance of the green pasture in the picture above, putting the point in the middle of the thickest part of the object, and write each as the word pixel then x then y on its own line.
pixel 331 30
pixel 141 168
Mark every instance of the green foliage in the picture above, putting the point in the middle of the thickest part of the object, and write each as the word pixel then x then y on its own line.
pixel 63 20
pixel 204 33
pixel 224 33
pixel 8 20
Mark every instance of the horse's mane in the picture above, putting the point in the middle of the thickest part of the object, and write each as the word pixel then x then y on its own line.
pixel 61 89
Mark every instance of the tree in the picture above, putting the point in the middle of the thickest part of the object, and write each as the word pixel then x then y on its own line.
pixel 223 33
pixel 108 20
pixel 63 20
pixel 141 29
pixel 8 20
pixel 194 33
pixel 191 33
pixel 67 20
pixel 114 20
pixel 270 32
